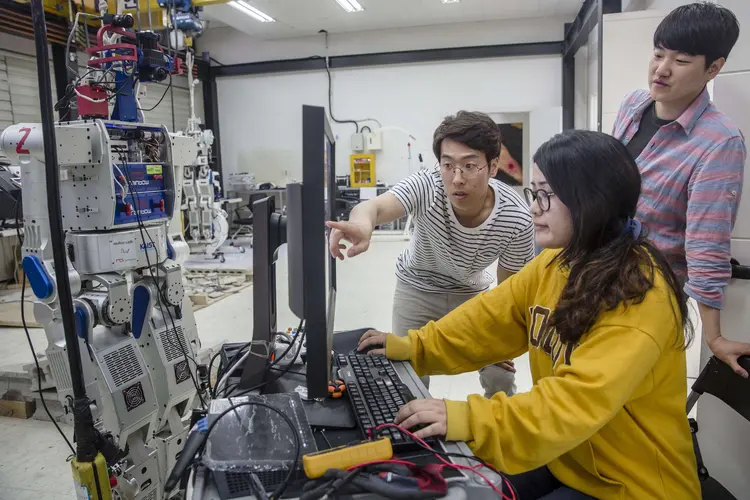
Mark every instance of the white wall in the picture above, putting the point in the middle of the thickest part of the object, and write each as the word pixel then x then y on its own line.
pixel 230 46
pixel 260 117
pixel 628 46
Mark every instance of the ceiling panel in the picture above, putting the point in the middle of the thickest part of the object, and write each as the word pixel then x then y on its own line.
pixel 307 17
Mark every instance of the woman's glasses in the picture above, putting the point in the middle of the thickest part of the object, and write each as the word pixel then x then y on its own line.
pixel 540 196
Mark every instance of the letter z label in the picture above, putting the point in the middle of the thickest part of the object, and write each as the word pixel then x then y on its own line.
pixel 19 148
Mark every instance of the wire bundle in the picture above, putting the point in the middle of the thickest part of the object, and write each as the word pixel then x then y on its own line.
pixel 441 456
pixel 271 366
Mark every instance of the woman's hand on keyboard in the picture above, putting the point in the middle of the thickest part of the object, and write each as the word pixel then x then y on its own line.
pixel 430 415
pixel 372 342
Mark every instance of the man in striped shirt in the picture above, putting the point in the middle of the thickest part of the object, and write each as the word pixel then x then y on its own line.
pixel 464 220
pixel 692 159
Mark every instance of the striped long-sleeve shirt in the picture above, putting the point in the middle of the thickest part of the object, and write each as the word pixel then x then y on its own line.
pixel 692 172
pixel 445 256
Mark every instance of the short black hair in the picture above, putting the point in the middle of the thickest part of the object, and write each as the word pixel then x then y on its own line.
pixel 699 29
pixel 476 130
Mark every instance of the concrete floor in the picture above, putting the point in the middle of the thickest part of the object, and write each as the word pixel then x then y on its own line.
pixel 32 462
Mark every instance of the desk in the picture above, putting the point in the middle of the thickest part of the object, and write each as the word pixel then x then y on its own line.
pixel 471 487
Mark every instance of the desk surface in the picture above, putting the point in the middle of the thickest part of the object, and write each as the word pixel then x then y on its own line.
pixel 471 487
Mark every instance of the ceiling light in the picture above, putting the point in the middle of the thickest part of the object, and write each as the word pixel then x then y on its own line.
pixel 350 5
pixel 451 1
pixel 251 11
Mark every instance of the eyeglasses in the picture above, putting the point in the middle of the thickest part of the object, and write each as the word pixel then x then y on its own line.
pixel 468 170
pixel 540 196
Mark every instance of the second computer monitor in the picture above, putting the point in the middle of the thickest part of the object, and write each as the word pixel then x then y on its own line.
pixel 312 290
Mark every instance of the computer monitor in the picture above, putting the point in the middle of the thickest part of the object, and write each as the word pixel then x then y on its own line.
pixel 309 204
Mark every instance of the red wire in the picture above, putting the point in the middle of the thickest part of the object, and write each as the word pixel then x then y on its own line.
pixel 456 466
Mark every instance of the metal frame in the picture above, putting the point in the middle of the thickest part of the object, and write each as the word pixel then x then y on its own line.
pixel 576 35
pixel 383 58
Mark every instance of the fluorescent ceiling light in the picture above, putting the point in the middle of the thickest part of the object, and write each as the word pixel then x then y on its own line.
pixel 350 5
pixel 451 1
pixel 251 11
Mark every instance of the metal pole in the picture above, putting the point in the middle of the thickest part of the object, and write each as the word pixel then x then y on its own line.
pixel 150 25
pixel 84 429
pixel 600 66
pixel 170 8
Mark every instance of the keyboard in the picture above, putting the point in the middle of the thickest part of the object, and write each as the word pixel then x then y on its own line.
pixel 377 392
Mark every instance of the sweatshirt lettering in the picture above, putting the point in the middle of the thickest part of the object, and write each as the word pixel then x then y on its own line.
pixel 544 337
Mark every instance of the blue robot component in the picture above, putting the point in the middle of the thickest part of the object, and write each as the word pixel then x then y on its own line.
pixel 178 5
pixel 126 106
pixel 81 322
pixel 41 282
pixel 188 22
pixel 141 306
pixel 153 66
pixel 146 193
pixel 184 15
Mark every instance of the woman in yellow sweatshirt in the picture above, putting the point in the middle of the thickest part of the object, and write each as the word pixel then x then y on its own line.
pixel 603 319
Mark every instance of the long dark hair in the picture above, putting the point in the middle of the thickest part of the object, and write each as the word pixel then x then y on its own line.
pixel 595 176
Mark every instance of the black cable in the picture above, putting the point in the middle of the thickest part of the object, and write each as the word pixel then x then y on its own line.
pixel 234 359
pixel 325 438
pixel 298 444
pixel 273 363
pixel 330 99
pixel 281 374
pixel 31 343
pixel 131 84
pixel 162 96
pixel 71 91
pixel 230 363
pixel 155 269
pixel 210 369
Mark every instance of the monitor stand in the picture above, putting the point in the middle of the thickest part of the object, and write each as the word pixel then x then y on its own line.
pixel 269 233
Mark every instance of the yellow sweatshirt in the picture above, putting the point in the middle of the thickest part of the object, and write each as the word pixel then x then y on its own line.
pixel 606 415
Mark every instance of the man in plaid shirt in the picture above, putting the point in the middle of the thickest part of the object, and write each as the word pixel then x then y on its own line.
pixel 691 157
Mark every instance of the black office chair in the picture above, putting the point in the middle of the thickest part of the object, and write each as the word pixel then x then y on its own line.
pixel 719 380
pixel 243 217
